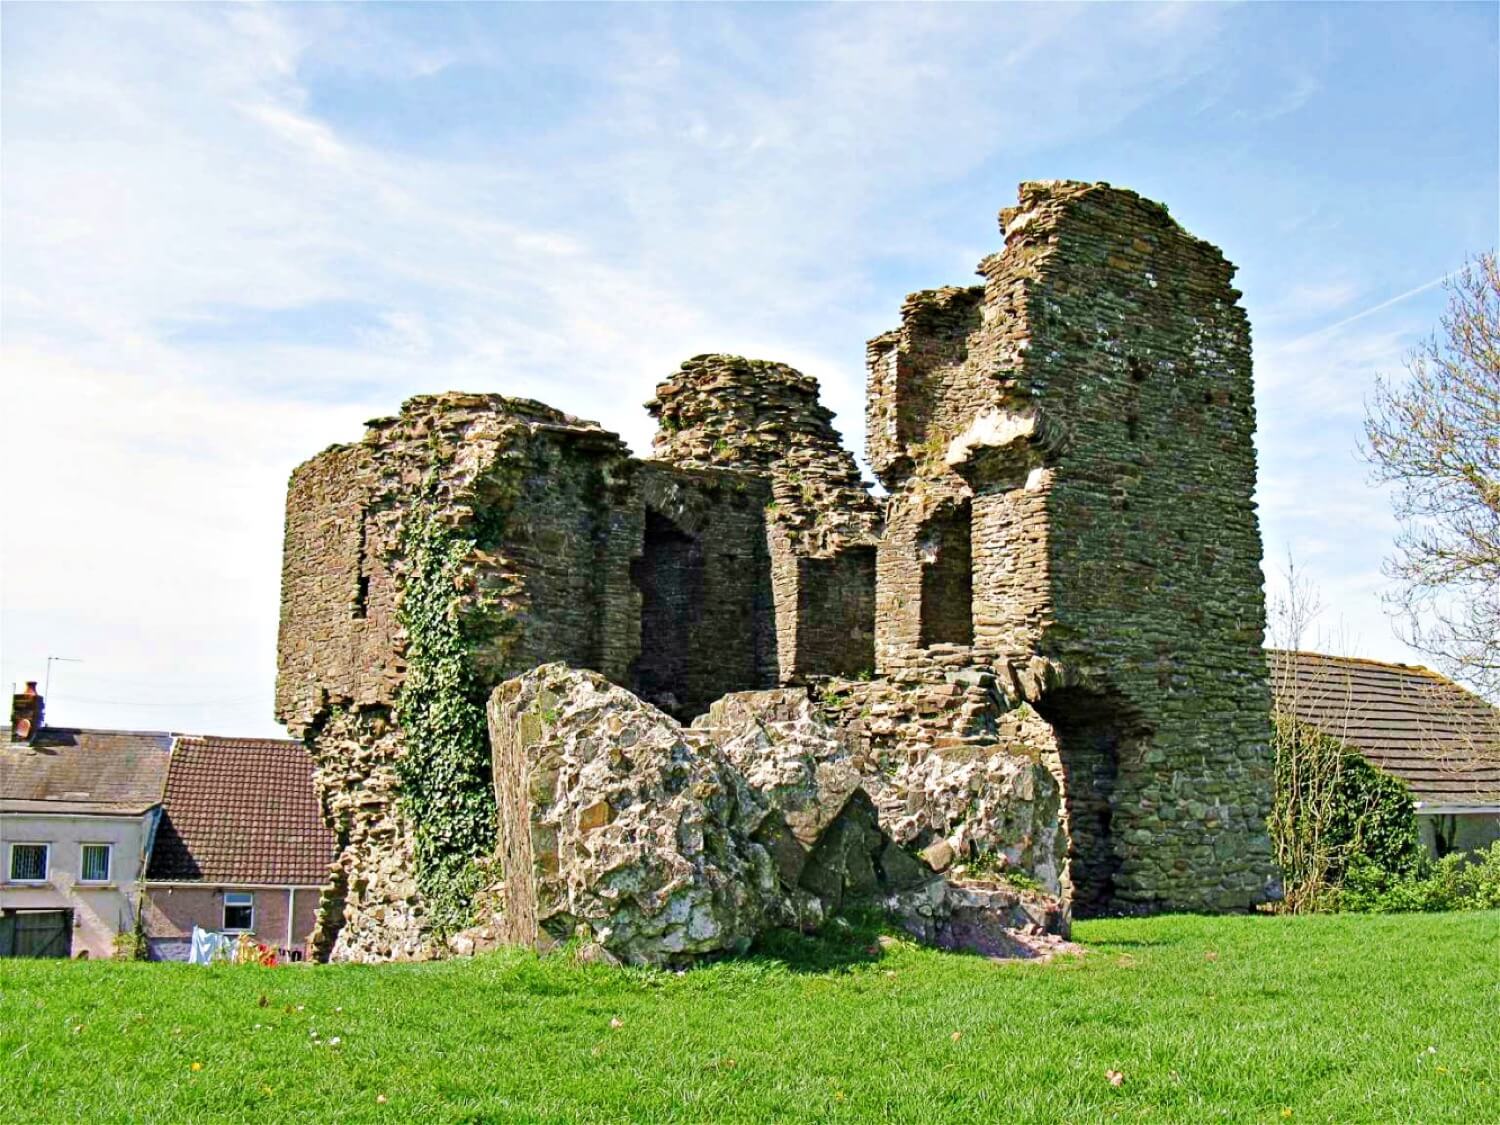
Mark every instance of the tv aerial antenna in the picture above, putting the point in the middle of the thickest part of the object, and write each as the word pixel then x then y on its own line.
pixel 47 686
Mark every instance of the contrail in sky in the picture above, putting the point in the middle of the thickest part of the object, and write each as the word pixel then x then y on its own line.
pixel 1290 345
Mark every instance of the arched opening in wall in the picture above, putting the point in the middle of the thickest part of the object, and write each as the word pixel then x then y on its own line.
pixel 670 577
pixel 947 553
pixel 1094 730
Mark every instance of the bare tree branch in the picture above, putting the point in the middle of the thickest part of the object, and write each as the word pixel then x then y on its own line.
pixel 1436 437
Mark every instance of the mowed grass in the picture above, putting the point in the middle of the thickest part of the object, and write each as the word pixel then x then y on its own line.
pixel 1250 1019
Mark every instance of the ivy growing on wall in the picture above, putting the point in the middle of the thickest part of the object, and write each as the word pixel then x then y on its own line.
pixel 445 771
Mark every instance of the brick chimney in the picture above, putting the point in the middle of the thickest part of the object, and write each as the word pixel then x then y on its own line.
pixel 25 714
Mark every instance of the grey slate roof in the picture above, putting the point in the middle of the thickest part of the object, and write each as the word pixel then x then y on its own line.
pixel 83 771
pixel 1441 739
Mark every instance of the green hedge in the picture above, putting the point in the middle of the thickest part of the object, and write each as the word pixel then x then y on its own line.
pixel 1332 808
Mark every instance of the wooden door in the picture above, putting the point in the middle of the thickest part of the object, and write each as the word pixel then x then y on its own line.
pixel 37 933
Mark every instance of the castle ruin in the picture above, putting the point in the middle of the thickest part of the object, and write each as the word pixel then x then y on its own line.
pixel 1041 649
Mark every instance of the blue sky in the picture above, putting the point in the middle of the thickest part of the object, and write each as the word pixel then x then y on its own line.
pixel 232 234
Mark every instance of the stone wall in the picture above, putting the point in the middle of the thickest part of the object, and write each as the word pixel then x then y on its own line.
pixel 823 523
pixel 655 575
pixel 1096 421
pixel 699 586
pixel 1043 645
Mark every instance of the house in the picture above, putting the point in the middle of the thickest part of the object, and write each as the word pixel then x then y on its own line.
pixel 104 833
pixel 242 846
pixel 77 813
pixel 1439 738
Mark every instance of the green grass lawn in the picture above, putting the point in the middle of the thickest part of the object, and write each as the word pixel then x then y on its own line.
pixel 1256 1019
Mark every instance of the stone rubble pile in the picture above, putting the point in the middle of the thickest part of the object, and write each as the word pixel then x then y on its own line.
pixel 957 770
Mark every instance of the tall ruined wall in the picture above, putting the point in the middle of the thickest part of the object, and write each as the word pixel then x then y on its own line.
pixel 823 524
pixel 337 595
pixel 462 542
pixel 1059 598
pixel 1071 506
pixel 474 501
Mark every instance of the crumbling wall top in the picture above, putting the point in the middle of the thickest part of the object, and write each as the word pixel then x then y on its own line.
pixel 728 411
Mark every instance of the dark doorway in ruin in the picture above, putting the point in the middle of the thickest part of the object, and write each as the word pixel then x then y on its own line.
pixel 1094 730
pixel 670 576
pixel 947 578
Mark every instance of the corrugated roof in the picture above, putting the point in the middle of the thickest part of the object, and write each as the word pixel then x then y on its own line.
pixel 1441 739
pixel 88 771
pixel 241 810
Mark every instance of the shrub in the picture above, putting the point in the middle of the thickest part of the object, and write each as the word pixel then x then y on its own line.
pixel 130 945
pixel 1333 811
pixel 1455 882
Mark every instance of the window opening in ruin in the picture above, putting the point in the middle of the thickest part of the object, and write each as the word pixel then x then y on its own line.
pixel 670 577
pixel 836 614
pixel 361 583
pixel 1092 730
pixel 947 578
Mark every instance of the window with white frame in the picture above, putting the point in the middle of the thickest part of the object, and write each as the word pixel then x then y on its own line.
pixel 28 863
pixel 239 911
pixel 96 862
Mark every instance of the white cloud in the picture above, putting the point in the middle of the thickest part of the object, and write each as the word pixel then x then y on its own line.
pixel 725 183
pixel 301 132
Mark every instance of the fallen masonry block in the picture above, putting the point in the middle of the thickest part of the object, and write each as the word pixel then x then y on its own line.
pixel 615 819
pixel 657 843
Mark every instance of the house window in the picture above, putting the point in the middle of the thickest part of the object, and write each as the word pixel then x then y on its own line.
pixel 96 863
pixel 239 910
pixel 28 863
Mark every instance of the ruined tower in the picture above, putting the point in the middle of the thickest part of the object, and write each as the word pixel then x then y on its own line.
pixel 1042 647
pixel 1069 458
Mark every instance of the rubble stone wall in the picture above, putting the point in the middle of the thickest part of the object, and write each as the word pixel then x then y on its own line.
pixel 552 519
pixel 766 418
pixel 1043 645
pixel 1097 422
pixel 698 585
pixel 1155 549
pixel 337 600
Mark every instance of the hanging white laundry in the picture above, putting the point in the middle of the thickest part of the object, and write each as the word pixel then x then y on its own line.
pixel 206 946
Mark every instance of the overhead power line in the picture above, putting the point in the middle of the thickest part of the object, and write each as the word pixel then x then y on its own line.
pixel 188 703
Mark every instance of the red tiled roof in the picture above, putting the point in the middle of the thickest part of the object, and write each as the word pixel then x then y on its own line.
pixel 1441 739
pixel 241 810
pixel 66 769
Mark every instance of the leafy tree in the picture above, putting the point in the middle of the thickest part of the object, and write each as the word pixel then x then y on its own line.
pixel 1436 437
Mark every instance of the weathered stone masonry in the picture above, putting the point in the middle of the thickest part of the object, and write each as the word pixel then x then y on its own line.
pixel 1076 434
pixel 1042 650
